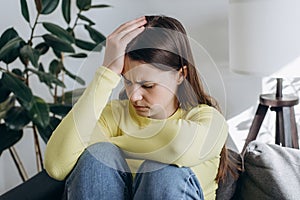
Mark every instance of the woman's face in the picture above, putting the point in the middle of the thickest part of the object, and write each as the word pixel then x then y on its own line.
pixel 151 91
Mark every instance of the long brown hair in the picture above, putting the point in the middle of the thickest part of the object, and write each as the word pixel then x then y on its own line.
pixel 165 44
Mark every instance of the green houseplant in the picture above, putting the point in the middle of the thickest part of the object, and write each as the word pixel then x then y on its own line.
pixel 20 108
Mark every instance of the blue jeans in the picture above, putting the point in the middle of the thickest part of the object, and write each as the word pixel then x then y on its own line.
pixel 102 173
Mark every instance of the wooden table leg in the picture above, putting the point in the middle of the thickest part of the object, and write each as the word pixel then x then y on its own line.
pixel 279 133
pixel 294 132
pixel 256 124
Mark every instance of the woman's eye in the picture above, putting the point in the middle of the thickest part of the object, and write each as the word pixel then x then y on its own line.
pixel 148 86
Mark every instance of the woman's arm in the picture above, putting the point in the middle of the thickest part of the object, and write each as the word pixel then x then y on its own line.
pixel 73 134
pixel 185 141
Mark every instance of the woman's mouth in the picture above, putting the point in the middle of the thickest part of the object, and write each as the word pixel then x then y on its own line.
pixel 141 108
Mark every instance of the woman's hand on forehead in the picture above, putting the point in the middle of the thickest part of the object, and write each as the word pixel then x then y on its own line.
pixel 117 41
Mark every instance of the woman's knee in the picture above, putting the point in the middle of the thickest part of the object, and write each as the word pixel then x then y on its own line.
pixel 99 166
pixel 104 153
pixel 98 152
pixel 103 148
pixel 159 171
pixel 101 156
pixel 169 181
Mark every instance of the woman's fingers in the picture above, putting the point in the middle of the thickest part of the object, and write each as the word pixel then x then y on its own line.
pixel 124 26
pixel 117 41
pixel 132 34
pixel 128 27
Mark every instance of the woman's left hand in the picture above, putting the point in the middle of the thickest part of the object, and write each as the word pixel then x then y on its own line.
pixel 117 41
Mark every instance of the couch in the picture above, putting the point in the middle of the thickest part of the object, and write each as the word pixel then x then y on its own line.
pixel 269 172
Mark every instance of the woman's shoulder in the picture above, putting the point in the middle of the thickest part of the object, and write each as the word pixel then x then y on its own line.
pixel 202 111
pixel 202 108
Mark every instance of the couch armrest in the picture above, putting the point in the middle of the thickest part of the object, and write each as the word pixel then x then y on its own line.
pixel 271 173
pixel 40 186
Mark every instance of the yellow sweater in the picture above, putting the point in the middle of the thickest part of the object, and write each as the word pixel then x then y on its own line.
pixel 191 138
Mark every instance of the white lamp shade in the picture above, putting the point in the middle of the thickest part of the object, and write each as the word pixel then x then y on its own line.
pixel 264 35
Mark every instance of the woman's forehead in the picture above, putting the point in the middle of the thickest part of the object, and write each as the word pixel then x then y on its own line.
pixel 136 71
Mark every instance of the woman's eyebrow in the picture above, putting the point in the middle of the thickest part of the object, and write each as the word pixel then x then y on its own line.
pixel 138 82
pixel 124 77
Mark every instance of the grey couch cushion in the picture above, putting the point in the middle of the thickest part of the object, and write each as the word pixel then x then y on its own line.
pixel 271 172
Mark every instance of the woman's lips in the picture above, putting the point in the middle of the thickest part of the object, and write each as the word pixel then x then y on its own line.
pixel 141 108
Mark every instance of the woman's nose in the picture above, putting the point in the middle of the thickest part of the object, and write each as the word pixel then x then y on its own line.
pixel 136 94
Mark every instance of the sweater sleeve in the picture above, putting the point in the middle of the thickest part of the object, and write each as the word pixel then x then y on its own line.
pixel 73 134
pixel 208 131
pixel 186 141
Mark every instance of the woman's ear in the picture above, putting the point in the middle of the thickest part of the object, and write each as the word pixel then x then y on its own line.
pixel 182 73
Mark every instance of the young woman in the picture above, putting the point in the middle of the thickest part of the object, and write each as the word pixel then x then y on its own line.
pixel 162 141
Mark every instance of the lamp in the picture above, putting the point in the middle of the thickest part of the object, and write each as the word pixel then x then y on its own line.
pixel 264 37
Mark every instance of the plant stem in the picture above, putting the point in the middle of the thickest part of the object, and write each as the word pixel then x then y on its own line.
pixel 76 20
pixel 37 36
pixel 39 160
pixel 33 28
pixel 62 89
pixel 13 74
pixel 30 43
pixel 3 69
pixel 18 164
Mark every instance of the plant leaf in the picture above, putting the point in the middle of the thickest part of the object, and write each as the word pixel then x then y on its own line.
pixel 46 132
pixel 47 78
pixel 38 5
pixel 84 18
pixel 100 6
pixel 27 52
pixel 48 6
pixel 59 32
pixel 22 91
pixel 58 44
pixel 41 67
pixel 24 10
pixel 6 105
pixel 4 92
pixel 95 35
pixel 42 48
pixel 83 4
pixel 10 51
pixel 66 10
pixel 78 55
pixel 57 53
pixel 55 67
pixel 73 76
pixel 8 137
pixel 17 118
pixel 89 46
pixel 18 72
pixel 7 35
pixel 39 112
pixel 60 109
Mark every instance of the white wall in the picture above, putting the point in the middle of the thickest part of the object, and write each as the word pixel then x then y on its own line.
pixel 206 23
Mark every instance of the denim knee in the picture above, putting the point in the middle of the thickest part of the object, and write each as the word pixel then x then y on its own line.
pixel 157 180
pixel 151 166
pixel 109 155
pixel 102 153
pixel 104 150
pixel 99 167
pixel 156 171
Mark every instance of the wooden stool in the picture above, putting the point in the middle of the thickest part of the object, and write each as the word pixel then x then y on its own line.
pixel 286 128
